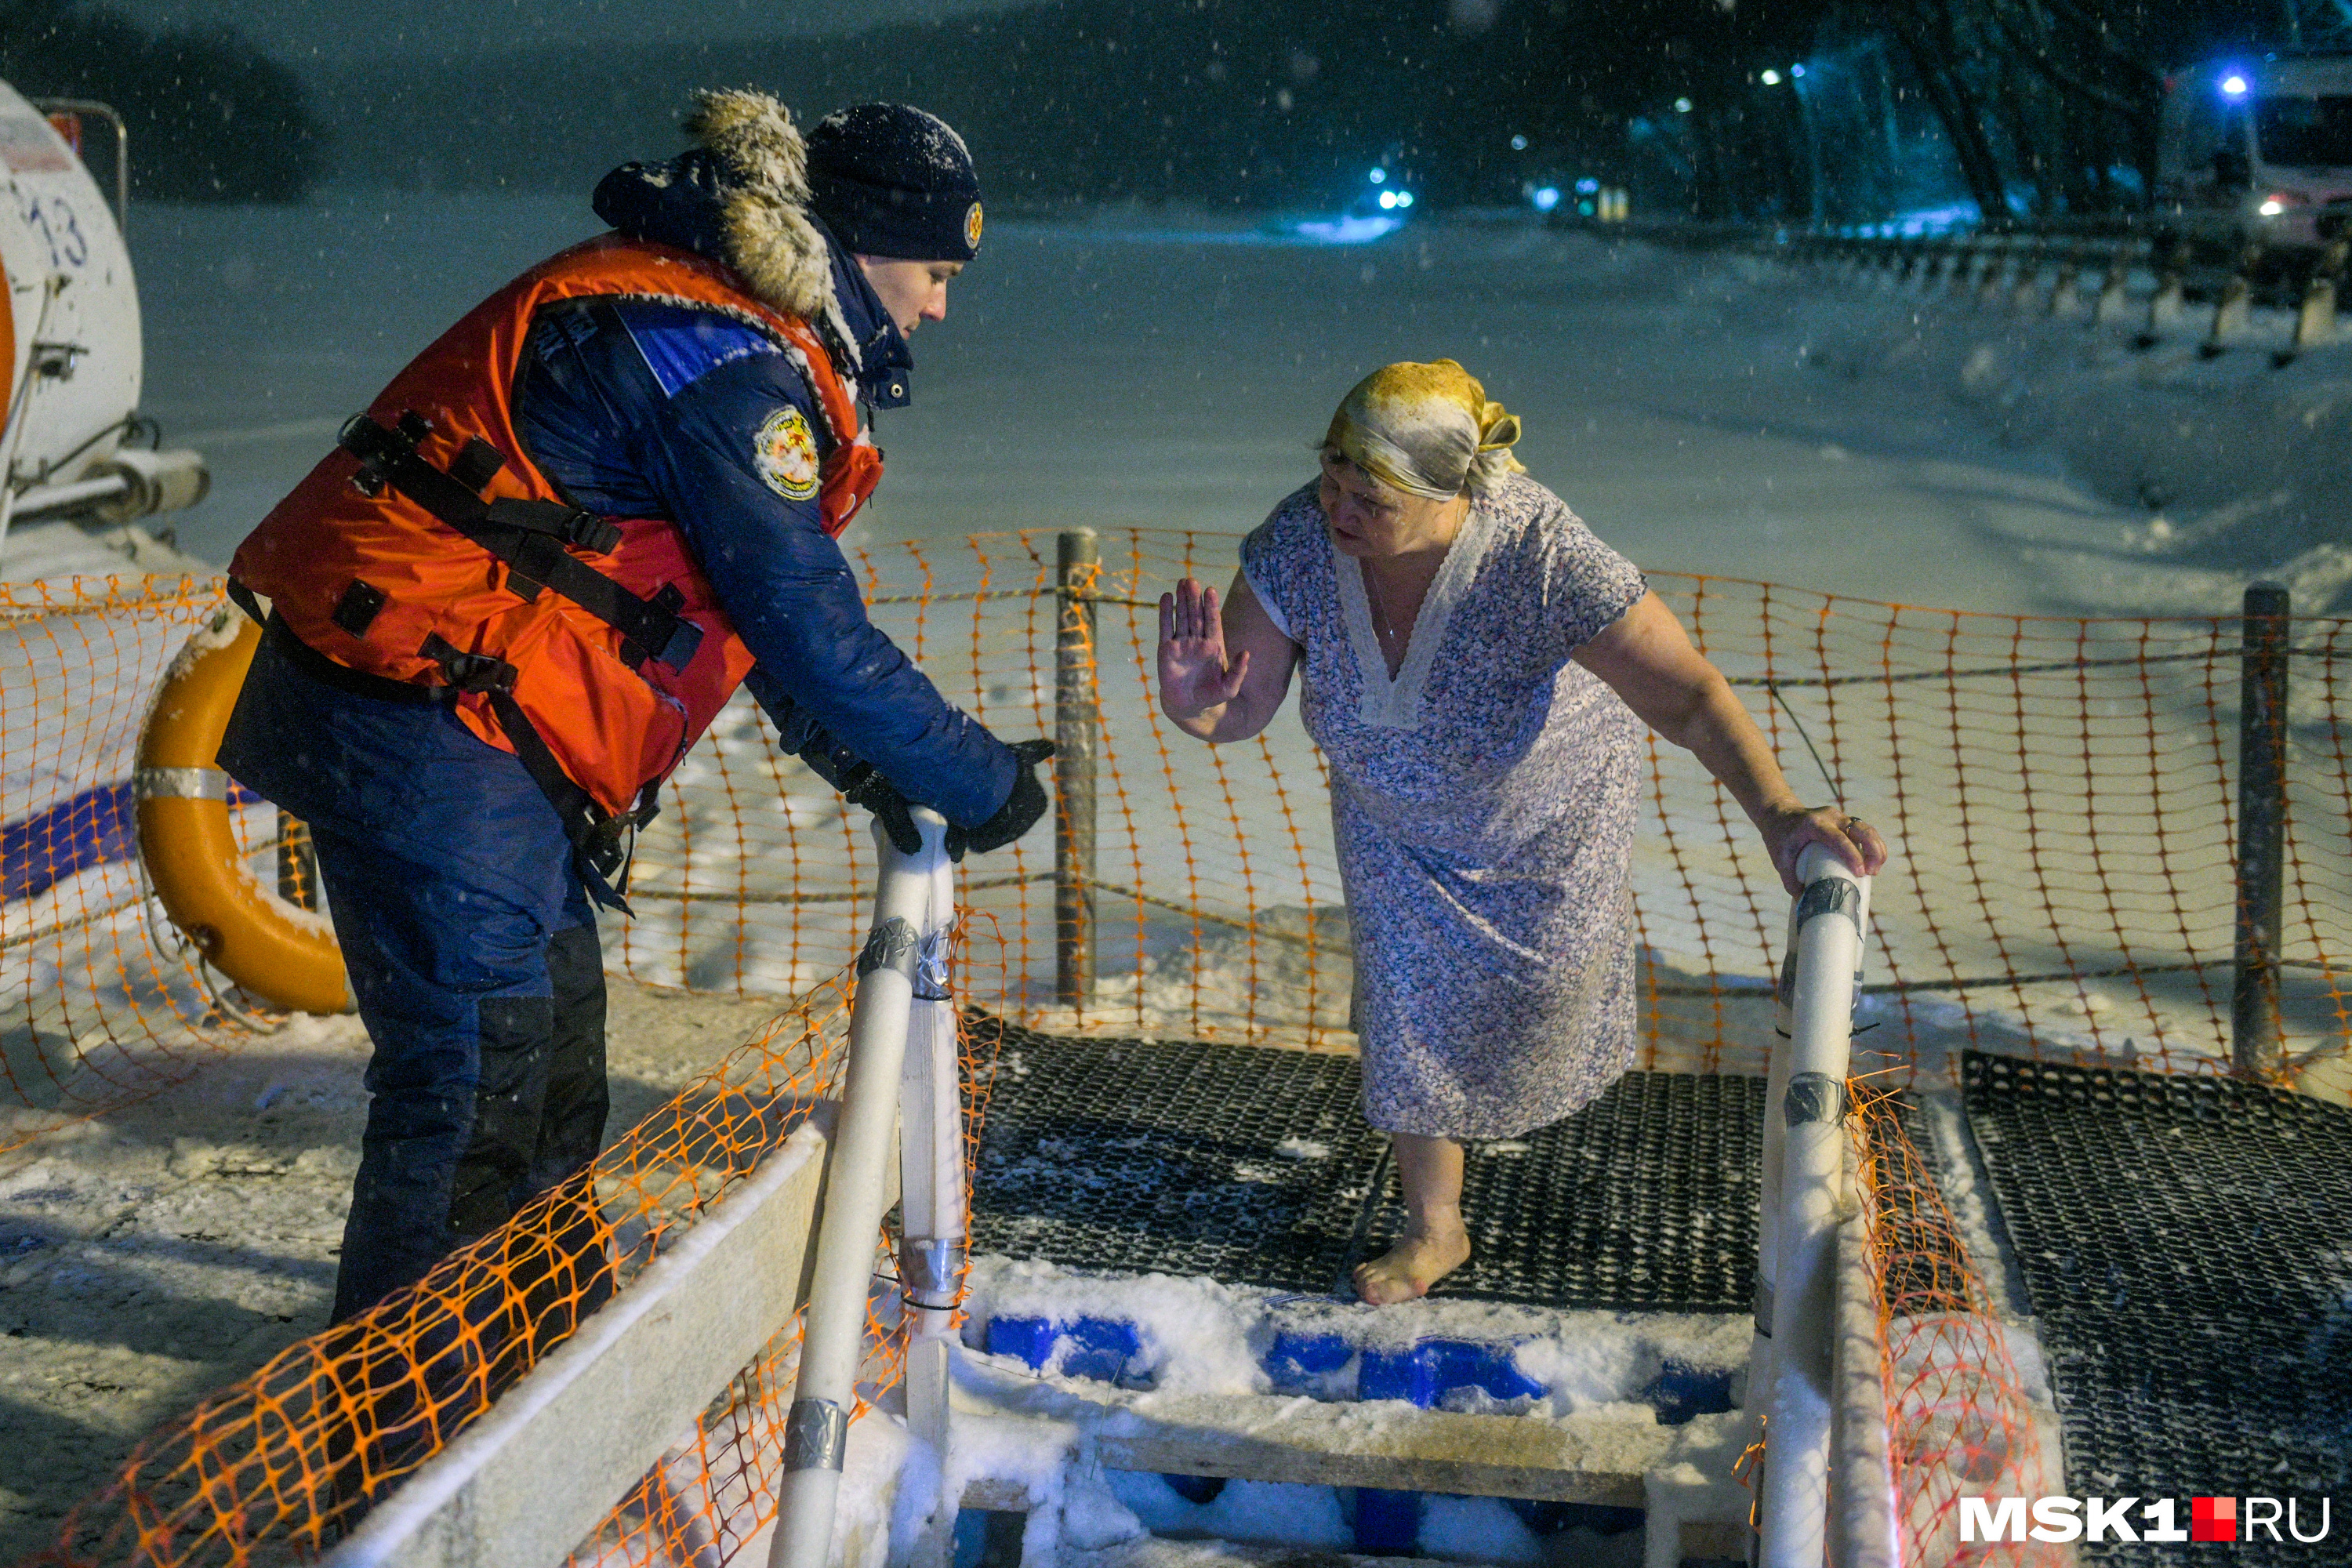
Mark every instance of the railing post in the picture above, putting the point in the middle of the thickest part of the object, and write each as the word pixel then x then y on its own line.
pixel 2065 301
pixel 934 1208
pixel 1076 726
pixel 2114 287
pixel 2171 283
pixel 2255 1043
pixel 2235 309
pixel 2314 315
pixel 892 975
pixel 1805 1150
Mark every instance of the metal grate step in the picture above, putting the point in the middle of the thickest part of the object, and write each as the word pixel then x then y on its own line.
pixel 2187 1249
pixel 1255 1166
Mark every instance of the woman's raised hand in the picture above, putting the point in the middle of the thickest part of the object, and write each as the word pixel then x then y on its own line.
pixel 1194 675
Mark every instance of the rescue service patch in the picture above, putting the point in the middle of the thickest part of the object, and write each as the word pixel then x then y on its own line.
pixel 784 451
pixel 972 228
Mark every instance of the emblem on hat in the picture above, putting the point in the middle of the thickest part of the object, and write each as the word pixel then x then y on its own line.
pixel 784 453
pixel 972 228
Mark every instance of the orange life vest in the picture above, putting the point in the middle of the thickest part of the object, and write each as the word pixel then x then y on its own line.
pixel 429 550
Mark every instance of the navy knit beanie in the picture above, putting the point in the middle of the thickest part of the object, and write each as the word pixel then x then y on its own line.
pixel 893 181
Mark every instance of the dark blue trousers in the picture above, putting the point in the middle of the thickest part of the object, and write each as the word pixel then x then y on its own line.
pixel 472 945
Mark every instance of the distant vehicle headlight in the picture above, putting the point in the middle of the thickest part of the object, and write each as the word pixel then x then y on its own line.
pixel 2279 202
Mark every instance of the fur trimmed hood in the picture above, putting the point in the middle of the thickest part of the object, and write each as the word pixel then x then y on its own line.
pixel 770 235
pixel 740 196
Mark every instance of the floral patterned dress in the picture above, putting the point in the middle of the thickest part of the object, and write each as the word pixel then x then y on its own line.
pixel 1483 804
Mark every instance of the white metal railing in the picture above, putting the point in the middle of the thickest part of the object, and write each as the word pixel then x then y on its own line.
pixel 902 1046
pixel 1805 1194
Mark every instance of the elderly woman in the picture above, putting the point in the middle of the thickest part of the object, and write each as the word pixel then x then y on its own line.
pixel 1476 668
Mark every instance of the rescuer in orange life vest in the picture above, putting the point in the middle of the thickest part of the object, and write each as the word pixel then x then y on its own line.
pixel 528 578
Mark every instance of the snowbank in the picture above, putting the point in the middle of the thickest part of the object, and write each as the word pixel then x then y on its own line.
pixel 2227 467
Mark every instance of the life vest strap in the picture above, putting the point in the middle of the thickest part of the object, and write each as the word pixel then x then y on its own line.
pixel 342 677
pixel 603 843
pixel 529 536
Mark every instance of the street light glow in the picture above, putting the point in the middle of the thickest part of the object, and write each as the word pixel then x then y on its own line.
pixel 1379 177
pixel 1681 105
pixel 1545 197
pixel 2234 85
pixel 1518 144
pixel 1770 79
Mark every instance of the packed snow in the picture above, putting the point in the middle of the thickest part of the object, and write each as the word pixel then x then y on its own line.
pixel 1705 413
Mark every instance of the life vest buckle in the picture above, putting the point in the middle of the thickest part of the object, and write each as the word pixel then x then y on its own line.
pixel 478 672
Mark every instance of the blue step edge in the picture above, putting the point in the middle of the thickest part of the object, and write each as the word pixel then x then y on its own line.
pixel 1100 1348
pixel 1424 1374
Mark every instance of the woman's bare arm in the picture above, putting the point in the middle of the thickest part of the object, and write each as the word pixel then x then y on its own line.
pixel 1648 660
pixel 1206 695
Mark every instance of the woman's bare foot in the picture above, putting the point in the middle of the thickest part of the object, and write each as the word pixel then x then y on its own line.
pixel 1423 1256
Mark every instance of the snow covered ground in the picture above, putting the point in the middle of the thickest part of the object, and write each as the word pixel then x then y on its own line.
pixel 1703 413
pixel 1707 414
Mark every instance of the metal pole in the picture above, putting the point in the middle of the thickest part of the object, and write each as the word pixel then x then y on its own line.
pixel 816 1430
pixel 933 1206
pixel 2254 1039
pixel 1793 1496
pixel 1077 724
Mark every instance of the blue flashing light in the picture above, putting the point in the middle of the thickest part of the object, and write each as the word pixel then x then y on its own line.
pixel 1379 177
pixel 2234 85
pixel 1545 197
pixel 1404 198
pixel 1387 200
pixel 1797 69
pixel 1586 187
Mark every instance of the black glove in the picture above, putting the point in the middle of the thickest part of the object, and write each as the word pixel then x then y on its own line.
pixel 1020 811
pixel 861 783
pixel 879 795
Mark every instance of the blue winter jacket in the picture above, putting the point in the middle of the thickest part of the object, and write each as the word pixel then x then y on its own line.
pixel 635 408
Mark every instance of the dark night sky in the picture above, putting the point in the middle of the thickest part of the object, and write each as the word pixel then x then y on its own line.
pixel 299 30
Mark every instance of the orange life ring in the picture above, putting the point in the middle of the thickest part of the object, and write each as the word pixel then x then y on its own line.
pixel 285 955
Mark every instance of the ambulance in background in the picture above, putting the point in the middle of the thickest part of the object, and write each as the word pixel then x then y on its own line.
pixel 2257 148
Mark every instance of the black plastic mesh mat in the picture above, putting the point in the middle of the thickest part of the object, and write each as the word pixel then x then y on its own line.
pixel 2186 1249
pixel 1248 1166
pixel 1255 1166
pixel 1645 1199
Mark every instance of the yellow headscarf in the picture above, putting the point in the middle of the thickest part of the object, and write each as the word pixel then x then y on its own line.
pixel 1425 430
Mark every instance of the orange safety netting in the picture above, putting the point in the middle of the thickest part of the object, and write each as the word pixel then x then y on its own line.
pixel 1959 1420
pixel 286 1462
pixel 101 1003
pixel 2059 794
